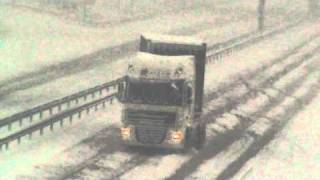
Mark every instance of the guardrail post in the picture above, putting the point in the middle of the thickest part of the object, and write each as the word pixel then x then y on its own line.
pixel 70 118
pixel 77 101
pixel 20 122
pixel 41 115
pixel 79 114
pixel 7 146
pixel 88 110
pixel 19 140
pixel 51 126
pixel 10 126
pixel 61 122
pixel 111 100
pixel 104 104
pixel 50 111
pixel 59 107
pixel 100 92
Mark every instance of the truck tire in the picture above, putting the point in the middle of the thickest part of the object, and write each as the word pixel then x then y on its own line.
pixel 188 139
pixel 199 136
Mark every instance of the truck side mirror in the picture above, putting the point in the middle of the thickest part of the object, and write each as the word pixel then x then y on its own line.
pixel 189 95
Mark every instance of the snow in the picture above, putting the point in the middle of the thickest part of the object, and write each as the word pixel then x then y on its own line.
pixel 111 163
pixel 224 71
pixel 213 167
pixel 293 154
pixel 228 121
pixel 53 154
pixel 46 40
pixel 41 93
pixel 22 162
pixel 161 167
pixel 172 39
pixel 162 67
pixel 43 164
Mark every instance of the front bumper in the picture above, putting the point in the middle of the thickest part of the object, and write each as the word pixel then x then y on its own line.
pixel 167 143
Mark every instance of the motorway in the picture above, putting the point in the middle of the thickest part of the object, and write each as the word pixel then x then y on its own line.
pixel 250 96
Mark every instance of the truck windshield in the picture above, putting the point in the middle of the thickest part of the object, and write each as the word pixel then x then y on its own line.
pixel 158 93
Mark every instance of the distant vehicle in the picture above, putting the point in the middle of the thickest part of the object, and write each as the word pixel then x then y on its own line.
pixel 162 94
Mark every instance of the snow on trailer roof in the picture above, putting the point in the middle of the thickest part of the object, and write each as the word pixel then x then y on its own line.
pixel 173 39
pixel 161 67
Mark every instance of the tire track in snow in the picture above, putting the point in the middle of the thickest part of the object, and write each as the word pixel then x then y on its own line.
pixel 263 139
pixel 230 101
pixel 265 67
pixel 291 65
pixel 168 164
pixel 249 75
pixel 288 92
pixel 222 140
pixel 282 73
pixel 109 166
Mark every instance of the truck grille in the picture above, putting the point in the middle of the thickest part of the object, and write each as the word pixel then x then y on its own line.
pixel 150 136
pixel 151 126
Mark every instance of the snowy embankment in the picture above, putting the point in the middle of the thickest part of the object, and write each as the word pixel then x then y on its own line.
pixel 21 96
pixel 52 162
pixel 35 41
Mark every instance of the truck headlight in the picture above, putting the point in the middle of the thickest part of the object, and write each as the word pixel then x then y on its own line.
pixel 177 135
pixel 125 132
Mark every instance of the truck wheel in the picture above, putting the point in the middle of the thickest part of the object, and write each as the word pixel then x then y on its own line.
pixel 203 134
pixel 199 136
pixel 188 138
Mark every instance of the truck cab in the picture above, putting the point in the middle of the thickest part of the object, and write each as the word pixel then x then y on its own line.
pixel 159 101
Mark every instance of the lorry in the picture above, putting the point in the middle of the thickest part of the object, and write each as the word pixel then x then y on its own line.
pixel 162 93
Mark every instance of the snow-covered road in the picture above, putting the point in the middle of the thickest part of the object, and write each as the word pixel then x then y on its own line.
pixel 294 152
pixel 104 158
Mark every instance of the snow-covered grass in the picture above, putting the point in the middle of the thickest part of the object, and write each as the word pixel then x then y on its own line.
pixel 104 12
pixel 45 40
